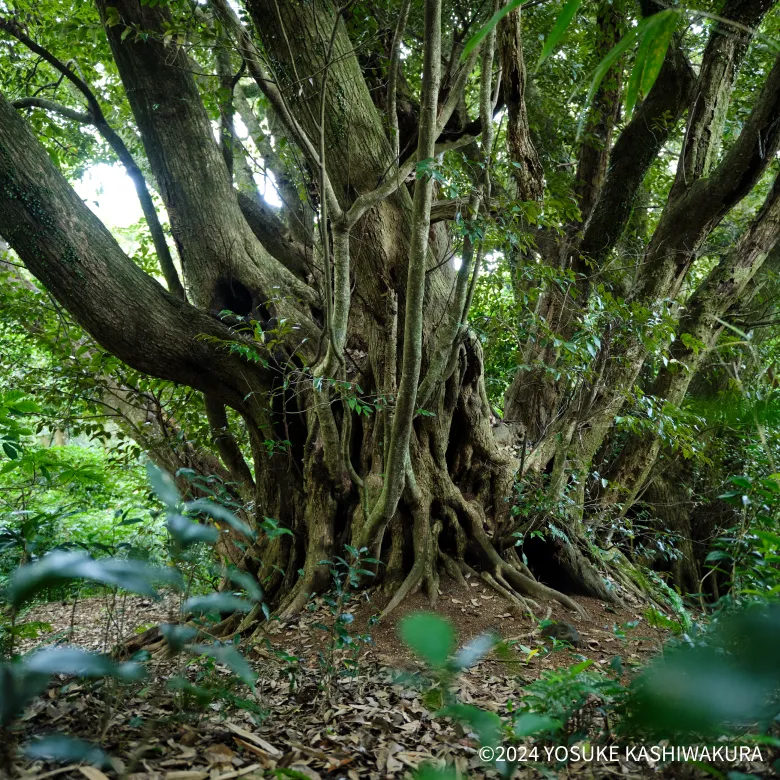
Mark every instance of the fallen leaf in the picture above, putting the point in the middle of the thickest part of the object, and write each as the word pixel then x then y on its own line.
pixel 259 741
pixel 239 772
pixel 92 773
pixel 219 754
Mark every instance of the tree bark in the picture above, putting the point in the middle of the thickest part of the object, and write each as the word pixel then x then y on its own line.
pixel 65 246
pixel 697 333
pixel 721 62
pixel 527 170
pixel 224 264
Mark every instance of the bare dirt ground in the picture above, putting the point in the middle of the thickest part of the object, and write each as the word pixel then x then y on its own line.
pixel 310 718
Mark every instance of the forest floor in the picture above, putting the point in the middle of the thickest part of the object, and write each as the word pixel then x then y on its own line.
pixel 309 719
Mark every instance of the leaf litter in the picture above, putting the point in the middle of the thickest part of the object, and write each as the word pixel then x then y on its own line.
pixel 369 724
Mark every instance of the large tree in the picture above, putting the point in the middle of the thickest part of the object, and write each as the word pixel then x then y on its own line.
pixel 335 330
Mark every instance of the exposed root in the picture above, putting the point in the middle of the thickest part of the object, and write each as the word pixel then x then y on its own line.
pixel 512 557
pixel 423 558
pixel 409 586
pixel 431 569
pixel 432 587
pixel 632 579
pixel 517 603
pixel 452 569
pixel 228 627
pixel 153 642
pixel 501 581
pixel 142 641
pixel 461 541
pixel 298 597
pixel 519 582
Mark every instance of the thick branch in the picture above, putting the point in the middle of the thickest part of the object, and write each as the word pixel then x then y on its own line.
pixel 298 214
pixel 447 210
pixel 275 236
pixel 67 247
pixel 603 113
pixel 634 152
pixel 527 171
pixel 113 139
pixel 224 264
pixel 394 181
pixel 689 219
pixel 392 80
pixel 270 89
pixel 456 316
pixel 398 451
pixel 227 446
pixel 227 82
pixel 141 416
pixel 54 107
pixel 722 59
pixel 697 333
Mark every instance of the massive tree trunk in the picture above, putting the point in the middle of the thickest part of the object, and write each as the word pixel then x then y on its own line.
pixel 425 492
pixel 348 357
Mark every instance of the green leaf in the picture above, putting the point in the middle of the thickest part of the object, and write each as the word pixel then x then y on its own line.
pixel 218 512
pixel 164 486
pixel 230 657
pixel 273 529
pixel 650 57
pixel 485 30
pixel 186 532
pixel 32 629
pixel 659 39
pixel 179 683
pixel 717 555
pixel 486 725
pixel 18 686
pixel 634 34
pixel 65 750
pixel 429 772
pixel 610 59
pixel 216 603
pixel 177 636
pixel 529 723
pixel 568 12
pixel 76 662
pixel 580 667
pixel 246 582
pixel 430 636
pixel 10 450
pixel 728 676
pixel 635 77
pixel 25 406
pixel 771 540
pixel 58 567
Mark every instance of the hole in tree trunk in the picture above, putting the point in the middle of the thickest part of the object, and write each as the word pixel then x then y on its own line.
pixel 459 434
pixel 230 294
pixel 547 561
pixel 288 422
